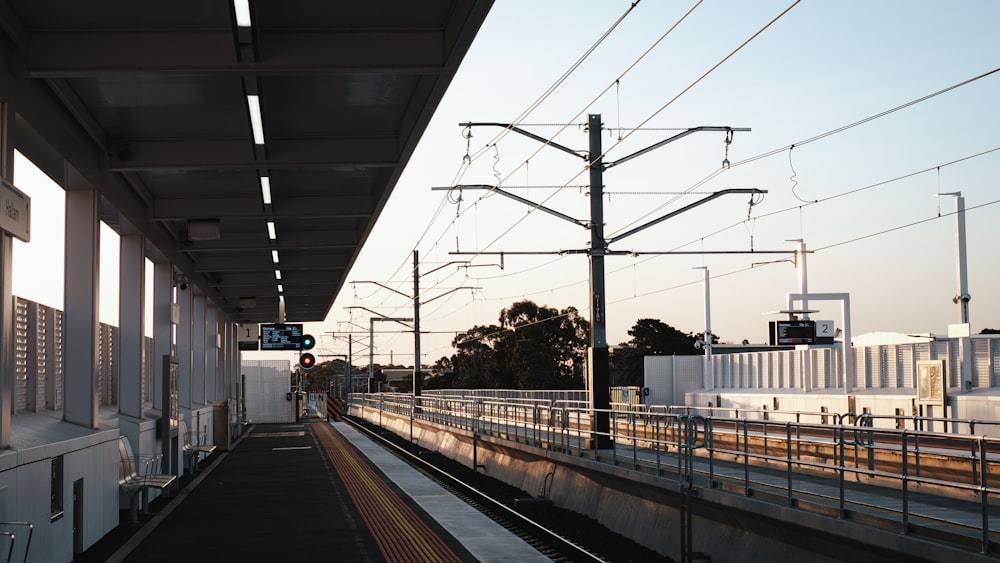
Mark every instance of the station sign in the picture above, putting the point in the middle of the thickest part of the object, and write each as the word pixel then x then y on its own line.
pixel 785 333
pixel 281 336
pixel 15 218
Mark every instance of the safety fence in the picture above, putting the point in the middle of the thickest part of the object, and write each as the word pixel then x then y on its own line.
pixel 856 461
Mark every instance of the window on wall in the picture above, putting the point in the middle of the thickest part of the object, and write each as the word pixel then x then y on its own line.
pixel 56 488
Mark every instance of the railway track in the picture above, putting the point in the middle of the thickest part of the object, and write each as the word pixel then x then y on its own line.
pixel 559 534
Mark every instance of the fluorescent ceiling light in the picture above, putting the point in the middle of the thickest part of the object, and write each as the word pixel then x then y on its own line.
pixel 271 234
pixel 256 122
pixel 281 288
pixel 242 13
pixel 274 256
pixel 277 274
pixel 265 189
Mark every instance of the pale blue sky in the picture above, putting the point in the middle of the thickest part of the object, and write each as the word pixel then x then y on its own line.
pixel 821 66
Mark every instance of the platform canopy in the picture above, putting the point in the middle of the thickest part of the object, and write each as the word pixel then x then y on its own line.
pixel 152 103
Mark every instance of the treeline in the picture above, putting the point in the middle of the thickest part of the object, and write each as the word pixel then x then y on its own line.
pixel 538 347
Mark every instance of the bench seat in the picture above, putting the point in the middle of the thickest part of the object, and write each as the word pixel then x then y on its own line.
pixel 138 474
pixel 193 450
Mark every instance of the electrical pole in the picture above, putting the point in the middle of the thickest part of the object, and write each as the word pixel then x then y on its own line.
pixel 418 376
pixel 371 344
pixel 598 374
pixel 417 373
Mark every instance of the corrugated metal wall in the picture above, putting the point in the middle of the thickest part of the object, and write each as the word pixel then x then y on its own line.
pixel 884 366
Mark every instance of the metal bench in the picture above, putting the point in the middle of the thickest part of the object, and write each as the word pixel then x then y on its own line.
pixel 193 449
pixel 138 474
pixel 8 534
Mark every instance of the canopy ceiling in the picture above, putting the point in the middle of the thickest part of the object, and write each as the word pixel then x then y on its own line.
pixel 149 103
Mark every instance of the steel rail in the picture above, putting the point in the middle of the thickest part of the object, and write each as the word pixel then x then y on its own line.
pixel 515 520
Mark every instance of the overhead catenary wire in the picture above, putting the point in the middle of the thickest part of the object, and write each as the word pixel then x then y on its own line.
pixel 467 161
pixel 839 195
pixel 800 143
pixel 814 250
pixel 662 108
pixel 824 135
pixel 658 111
pixel 534 105
pixel 582 111
pixel 715 173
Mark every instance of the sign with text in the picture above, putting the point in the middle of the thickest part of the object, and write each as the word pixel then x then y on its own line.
pixel 931 384
pixel 281 337
pixel 784 333
pixel 15 218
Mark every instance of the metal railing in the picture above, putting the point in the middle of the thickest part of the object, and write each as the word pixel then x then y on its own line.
pixel 853 457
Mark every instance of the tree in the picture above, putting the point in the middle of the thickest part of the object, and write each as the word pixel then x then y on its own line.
pixel 480 359
pixel 652 337
pixel 533 348
pixel 442 375
pixel 547 345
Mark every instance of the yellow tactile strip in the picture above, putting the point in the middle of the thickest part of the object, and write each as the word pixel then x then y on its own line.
pixel 399 533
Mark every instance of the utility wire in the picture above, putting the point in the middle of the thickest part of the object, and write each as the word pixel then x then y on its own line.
pixel 657 112
pixel 814 250
pixel 534 105
pixel 775 213
pixel 654 114
pixel 578 114
pixel 823 135
pixel 865 120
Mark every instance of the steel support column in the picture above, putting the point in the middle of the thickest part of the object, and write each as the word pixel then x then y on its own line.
pixel 131 322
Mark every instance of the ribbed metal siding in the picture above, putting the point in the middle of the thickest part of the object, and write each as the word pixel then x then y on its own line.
pixel 905 365
pixel 54 342
pixel 981 366
pixel 22 324
pixel 995 362
pixel 107 366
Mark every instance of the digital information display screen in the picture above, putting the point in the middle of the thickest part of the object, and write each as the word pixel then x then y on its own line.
pixel 784 333
pixel 281 337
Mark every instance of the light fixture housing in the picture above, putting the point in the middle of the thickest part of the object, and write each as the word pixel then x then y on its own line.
pixel 203 230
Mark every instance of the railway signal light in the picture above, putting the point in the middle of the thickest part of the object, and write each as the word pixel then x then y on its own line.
pixel 308 342
pixel 307 361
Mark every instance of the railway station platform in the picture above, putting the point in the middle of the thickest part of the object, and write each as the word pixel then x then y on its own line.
pixel 314 491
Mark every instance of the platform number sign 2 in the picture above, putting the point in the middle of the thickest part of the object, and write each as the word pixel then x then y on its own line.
pixel 824 332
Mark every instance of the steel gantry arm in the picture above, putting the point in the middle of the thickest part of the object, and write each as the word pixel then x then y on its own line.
pixel 676 137
pixel 540 139
pixel 519 199
pixel 688 207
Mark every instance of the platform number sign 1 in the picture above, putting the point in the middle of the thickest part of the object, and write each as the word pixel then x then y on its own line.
pixel 248 336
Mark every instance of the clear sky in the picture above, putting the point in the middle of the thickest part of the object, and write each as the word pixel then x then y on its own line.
pixel 862 198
